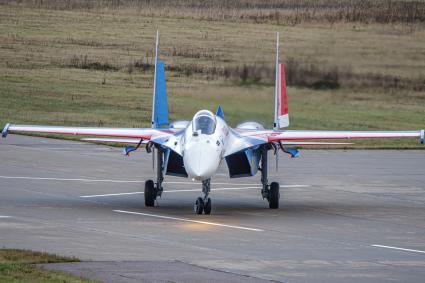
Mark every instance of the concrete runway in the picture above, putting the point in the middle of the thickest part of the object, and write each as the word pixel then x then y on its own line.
pixel 345 216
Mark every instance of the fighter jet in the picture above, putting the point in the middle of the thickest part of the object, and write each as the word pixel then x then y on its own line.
pixel 194 149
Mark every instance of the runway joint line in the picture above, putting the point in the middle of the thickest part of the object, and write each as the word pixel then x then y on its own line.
pixel 190 220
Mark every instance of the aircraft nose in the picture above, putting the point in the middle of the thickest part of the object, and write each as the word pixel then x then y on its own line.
pixel 200 160
pixel 198 173
pixel 195 166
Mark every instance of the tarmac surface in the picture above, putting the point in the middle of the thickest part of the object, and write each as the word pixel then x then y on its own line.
pixel 344 216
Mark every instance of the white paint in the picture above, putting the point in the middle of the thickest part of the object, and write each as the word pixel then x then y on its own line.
pixel 400 249
pixel 88 131
pixel 188 190
pixel 69 179
pixel 109 195
pixel 294 186
pixel 110 181
pixel 190 220
pixel 232 189
pixel 237 184
pixel 169 191
pixel 5 216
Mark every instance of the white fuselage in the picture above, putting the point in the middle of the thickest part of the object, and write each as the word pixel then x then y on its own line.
pixel 203 145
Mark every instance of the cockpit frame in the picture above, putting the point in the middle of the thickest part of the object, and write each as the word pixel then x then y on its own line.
pixel 205 122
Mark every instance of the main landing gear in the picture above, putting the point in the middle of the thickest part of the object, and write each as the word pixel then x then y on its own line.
pixel 269 192
pixel 152 190
pixel 204 204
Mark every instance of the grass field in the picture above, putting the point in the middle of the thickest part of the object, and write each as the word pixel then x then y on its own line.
pixel 17 266
pixel 91 67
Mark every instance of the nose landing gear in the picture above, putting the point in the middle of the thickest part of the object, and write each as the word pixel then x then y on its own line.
pixel 204 204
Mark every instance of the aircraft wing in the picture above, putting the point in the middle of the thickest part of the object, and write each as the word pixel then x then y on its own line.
pixel 124 133
pixel 294 135
pixel 326 135
pixel 251 138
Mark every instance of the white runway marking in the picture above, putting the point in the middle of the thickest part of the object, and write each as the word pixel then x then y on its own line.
pixel 112 181
pixel 69 179
pixel 190 220
pixel 400 249
pixel 212 183
pixel 188 190
pixel 111 195
pixel 168 191
pixel 5 216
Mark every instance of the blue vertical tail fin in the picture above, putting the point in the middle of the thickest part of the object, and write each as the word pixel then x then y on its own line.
pixel 160 101
pixel 160 97
pixel 220 112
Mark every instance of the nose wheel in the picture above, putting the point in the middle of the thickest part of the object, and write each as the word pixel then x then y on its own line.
pixel 199 206
pixel 204 204
pixel 207 206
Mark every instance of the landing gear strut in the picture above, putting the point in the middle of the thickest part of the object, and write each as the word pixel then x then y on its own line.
pixel 152 190
pixel 269 192
pixel 204 204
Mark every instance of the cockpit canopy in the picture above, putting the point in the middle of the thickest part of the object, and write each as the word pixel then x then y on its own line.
pixel 205 122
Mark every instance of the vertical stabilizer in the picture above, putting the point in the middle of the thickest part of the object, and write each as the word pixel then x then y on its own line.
pixel 220 112
pixel 281 117
pixel 160 96
pixel 159 101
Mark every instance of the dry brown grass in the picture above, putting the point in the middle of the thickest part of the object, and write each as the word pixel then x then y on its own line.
pixel 276 11
pixel 300 74
pixel 89 67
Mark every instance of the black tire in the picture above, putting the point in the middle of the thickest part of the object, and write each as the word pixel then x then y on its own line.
pixel 274 195
pixel 207 207
pixel 199 206
pixel 150 194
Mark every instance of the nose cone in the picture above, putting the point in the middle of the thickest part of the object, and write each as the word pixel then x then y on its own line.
pixel 198 171
pixel 201 159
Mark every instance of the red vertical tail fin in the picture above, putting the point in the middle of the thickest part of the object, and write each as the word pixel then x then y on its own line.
pixel 281 117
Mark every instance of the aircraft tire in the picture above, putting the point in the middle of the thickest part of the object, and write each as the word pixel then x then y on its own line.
pixel 207 207
pixel 149 193
pixel 199 206
pixel 274 195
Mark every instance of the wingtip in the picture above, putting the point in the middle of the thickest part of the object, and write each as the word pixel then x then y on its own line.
pixel 422 137
pixel 5 130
